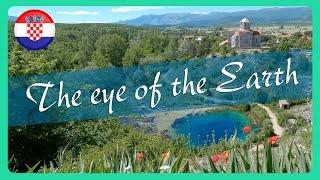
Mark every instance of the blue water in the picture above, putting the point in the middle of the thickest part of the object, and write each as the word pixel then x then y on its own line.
pixel 200 127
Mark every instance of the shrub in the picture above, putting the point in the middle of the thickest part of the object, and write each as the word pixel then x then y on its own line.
pixel 244 108
pixel 283 117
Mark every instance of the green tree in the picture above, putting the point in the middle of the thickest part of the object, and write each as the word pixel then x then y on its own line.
pixel 132 55
pixel 188 48
pixel 110 50
pixel 84 54
pixel 171 50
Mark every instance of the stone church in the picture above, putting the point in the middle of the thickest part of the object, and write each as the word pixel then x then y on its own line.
pixel 244 37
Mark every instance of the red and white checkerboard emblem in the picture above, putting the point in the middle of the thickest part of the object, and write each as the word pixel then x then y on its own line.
pixel 34 31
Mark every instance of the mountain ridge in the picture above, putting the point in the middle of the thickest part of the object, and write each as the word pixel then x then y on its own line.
pixel 261 16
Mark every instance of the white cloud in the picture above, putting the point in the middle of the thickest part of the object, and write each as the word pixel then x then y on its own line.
pixel 77 13
pixel 196 12
pixel 125 9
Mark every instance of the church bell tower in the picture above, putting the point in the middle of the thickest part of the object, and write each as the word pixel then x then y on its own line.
pixel 244 24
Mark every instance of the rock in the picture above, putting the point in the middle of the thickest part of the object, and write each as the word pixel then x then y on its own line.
pixel 292 121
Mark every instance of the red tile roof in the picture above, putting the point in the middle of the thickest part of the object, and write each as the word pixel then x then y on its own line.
pixel 255 33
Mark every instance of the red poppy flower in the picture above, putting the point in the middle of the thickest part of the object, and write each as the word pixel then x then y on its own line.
pixel 140 156
pixel 190 163
pixel 215 158
pixel 273 140
pixel 225 156
pixel 165 155
pixel 246 129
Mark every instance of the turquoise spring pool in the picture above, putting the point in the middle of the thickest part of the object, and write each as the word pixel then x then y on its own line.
pixel 203 128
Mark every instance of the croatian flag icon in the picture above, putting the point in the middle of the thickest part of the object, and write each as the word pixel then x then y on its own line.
pixel 34 29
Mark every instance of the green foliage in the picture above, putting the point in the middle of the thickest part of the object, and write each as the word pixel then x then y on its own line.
pixel 261 118
pixel 81 46
pixel 44 141
pixel 133 55
pixel 110 50
pixel 296 40
pixel 287 157
pixel 188 48
pixel 31 144
pixel 283 117
pixel 244 107
pixel 233 52
pixel 268 38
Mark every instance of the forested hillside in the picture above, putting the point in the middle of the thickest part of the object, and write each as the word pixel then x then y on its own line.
pixel 85 46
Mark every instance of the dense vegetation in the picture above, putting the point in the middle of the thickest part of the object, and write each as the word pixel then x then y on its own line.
pixel 84 46
pixel 98 45
pixel 284 115
pixel 106 145
pixel 31 144
pixel 296 40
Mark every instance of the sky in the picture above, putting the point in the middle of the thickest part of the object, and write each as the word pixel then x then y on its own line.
pixel 109 14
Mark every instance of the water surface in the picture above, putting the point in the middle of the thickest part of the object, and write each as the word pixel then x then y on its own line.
pixel 200 127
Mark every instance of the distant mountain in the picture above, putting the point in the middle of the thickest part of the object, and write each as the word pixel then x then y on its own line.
pixel 12 18
pixel 261 16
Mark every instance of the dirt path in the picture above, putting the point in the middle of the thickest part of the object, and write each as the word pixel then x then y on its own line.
pixel 278 130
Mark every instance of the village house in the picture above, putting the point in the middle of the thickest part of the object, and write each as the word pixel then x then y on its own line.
pixel 244 37
pixel 284 104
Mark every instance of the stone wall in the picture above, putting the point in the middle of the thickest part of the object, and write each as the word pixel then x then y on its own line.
pixel 246 40
pixel 256 41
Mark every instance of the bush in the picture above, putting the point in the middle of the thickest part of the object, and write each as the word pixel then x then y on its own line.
pixel 283 117
pixel 31 144
pixel 244 108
